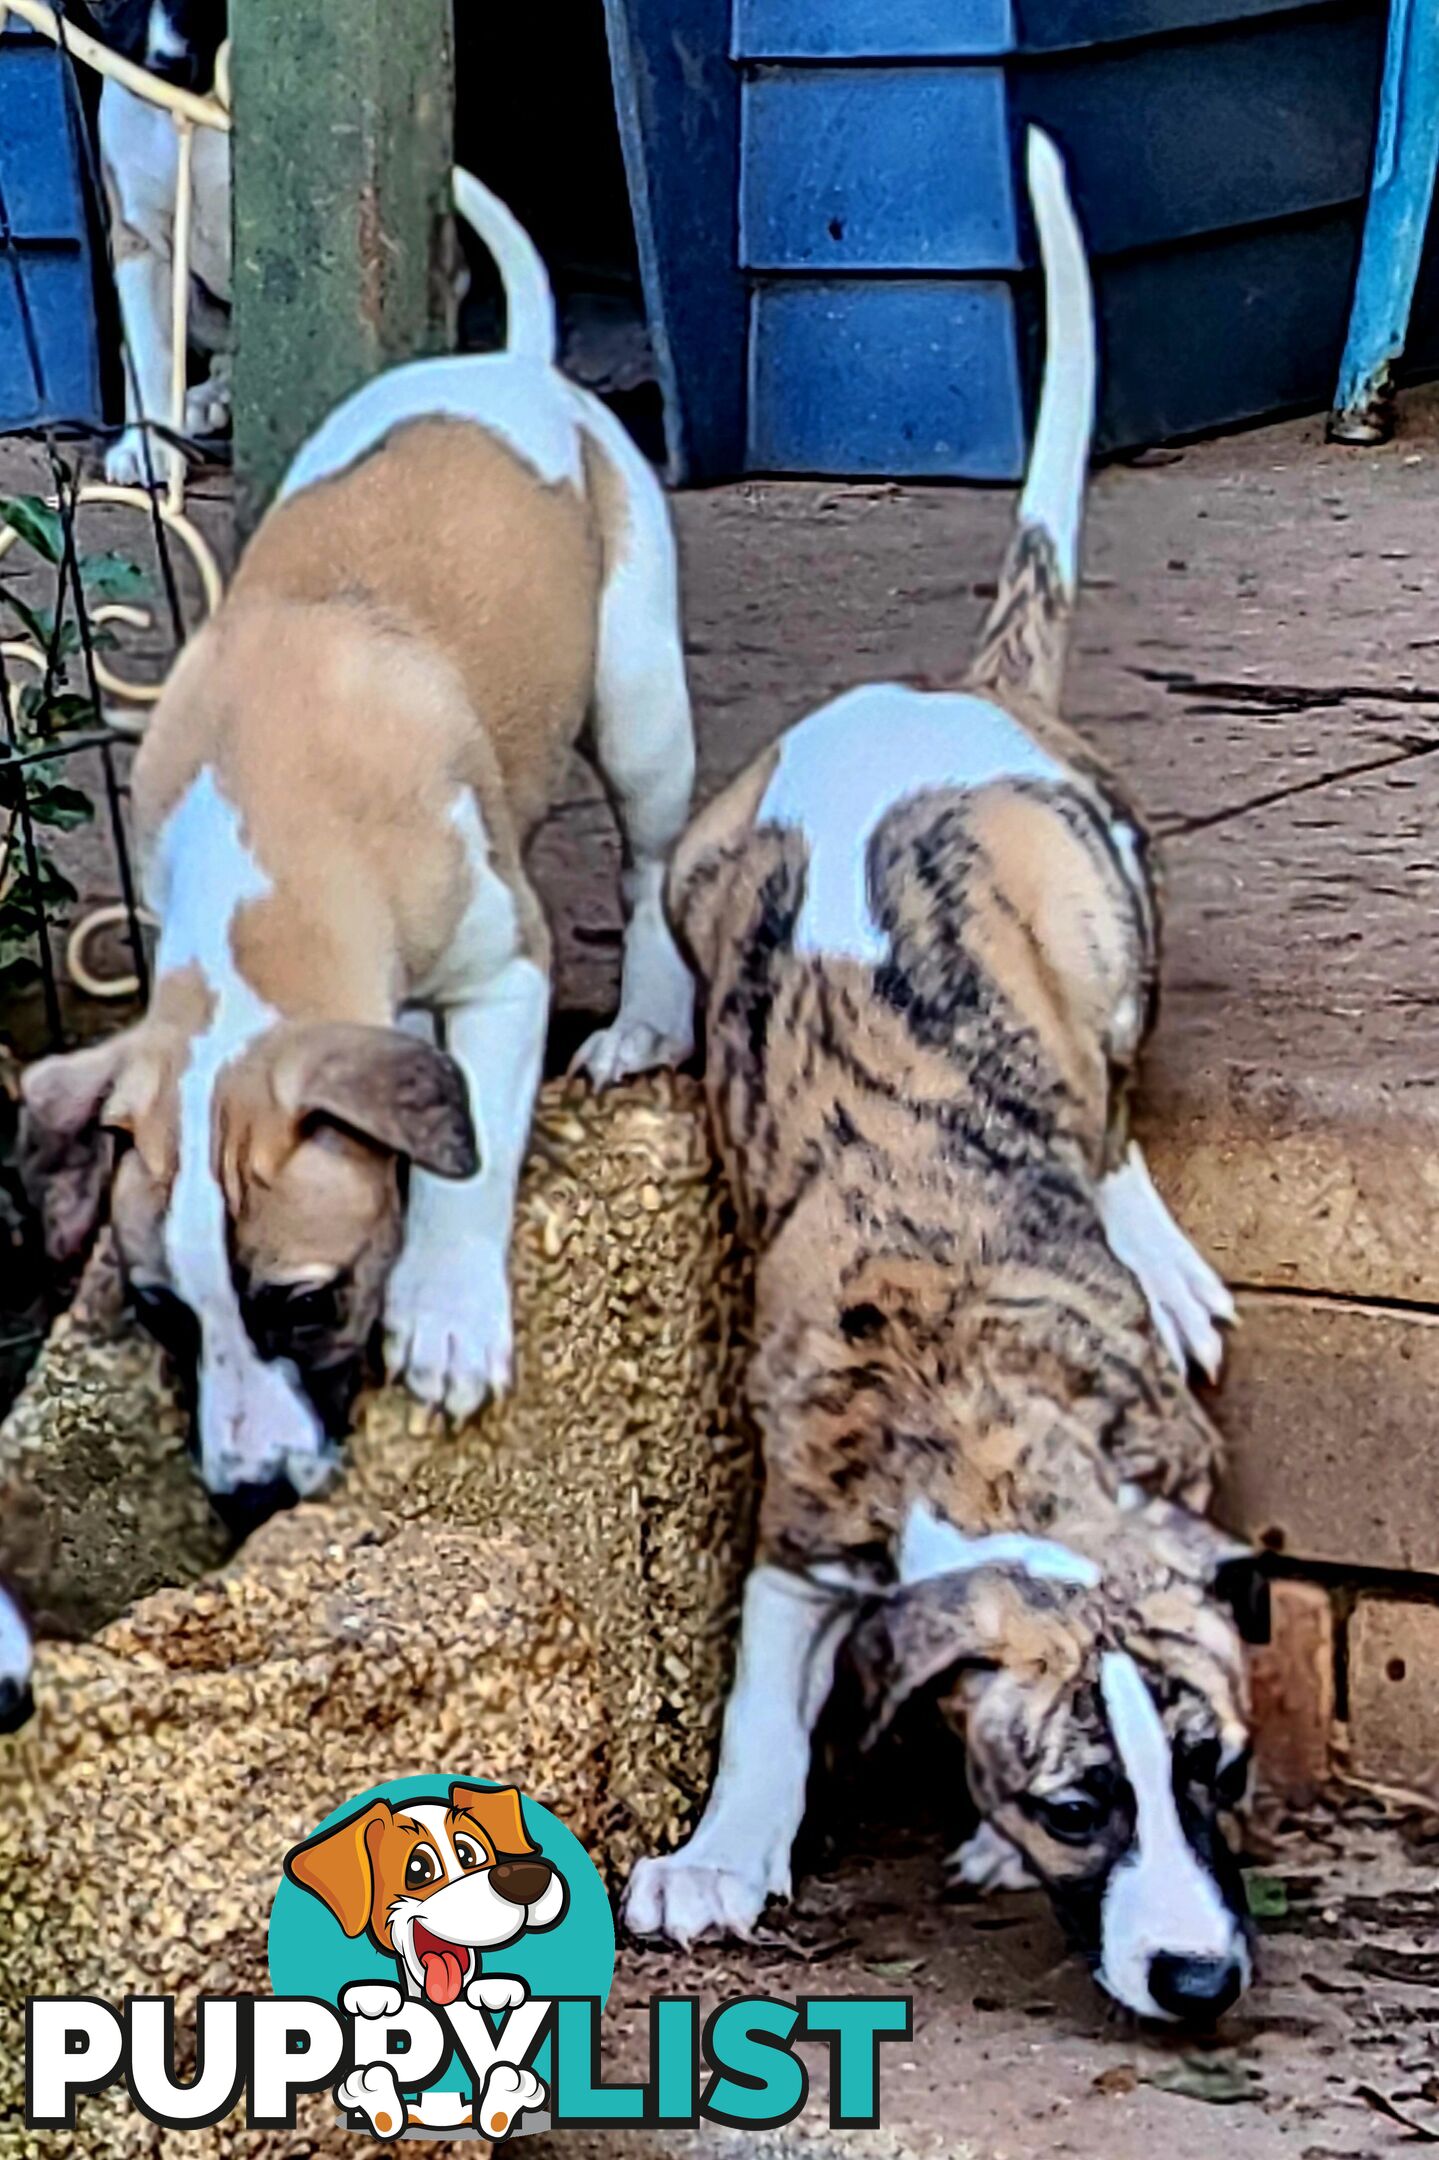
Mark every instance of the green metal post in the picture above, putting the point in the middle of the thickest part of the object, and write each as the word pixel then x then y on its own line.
pixel 343 249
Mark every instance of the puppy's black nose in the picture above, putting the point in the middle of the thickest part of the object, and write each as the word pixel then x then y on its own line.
pixel 16 1704
pixel 244 1509
pixel 521 1882
pixel 1196 1990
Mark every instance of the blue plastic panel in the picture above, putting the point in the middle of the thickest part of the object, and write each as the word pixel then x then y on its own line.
pixel 36 145
pixel 1236 127
pixel 1053 25
pixel 849 169
pixel 62 303
pixel 956 29
pixel 40 174
pixel 870 29
pixel 1248 324
pixel 916 378
pixel 677 98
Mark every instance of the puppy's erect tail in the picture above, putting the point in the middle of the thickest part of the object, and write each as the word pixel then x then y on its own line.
pixel 1027 633
pixel 530 326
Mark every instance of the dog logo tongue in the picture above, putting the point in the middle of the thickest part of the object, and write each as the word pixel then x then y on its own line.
pixel 444 1967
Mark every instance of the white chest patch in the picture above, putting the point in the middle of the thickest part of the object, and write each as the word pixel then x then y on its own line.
pixel 527 406
pixel 254 1424
pixel 1158 1901
pixel 206 875
pixel 842 770
pixel 930 1546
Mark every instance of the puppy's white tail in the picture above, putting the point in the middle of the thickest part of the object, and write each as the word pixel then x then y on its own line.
pixel 530 326
pixel 1028 628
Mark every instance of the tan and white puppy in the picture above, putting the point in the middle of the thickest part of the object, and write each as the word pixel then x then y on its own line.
pixel 468 563
pixel 436 1884
pixel 926 932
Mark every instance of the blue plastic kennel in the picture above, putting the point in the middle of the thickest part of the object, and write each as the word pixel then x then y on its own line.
pixel 838 259
pixel 43 198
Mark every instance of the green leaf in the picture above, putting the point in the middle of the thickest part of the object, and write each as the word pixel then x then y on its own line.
pixel 1208 2078
pixel 894 1968
pixel 62 807
pixel 18 973
pixel 40 622
pixel 1267 1896
pixel 52 885
pixel 113 577
pixel 67 709
pixel 36 523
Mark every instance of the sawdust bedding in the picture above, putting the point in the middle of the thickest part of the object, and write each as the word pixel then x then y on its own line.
pixel 545 1597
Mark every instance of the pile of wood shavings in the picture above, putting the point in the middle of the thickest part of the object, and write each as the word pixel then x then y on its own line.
pixel 623 1447
pixel 99 1503
pixel 547 1596
pixel 145 1814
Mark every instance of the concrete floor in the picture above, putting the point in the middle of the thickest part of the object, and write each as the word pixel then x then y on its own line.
pixel 1258 655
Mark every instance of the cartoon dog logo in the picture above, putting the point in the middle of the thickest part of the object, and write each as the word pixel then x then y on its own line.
pixel 435 1883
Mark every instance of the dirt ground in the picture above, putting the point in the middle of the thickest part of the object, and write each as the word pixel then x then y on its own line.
pixel 1016 2055
pixel 1258 652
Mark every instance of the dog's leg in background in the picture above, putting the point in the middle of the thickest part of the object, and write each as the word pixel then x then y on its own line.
pixel 644 746
pixel 448 1330
pixel 142 286
pixel 790 1635
pixel 986 1861
pixel 1185 1296
pixel 138 144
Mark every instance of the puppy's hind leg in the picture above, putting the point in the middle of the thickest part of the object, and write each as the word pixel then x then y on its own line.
pixel 717 1884
pixel 1186 1298
pixel 644 747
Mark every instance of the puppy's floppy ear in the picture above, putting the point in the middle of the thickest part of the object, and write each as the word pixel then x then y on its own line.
pixel 337 1866
pixel 1233 1572
pixel 392 1088
pixel 498 1814
pixel 967 1618
pixel 65 1153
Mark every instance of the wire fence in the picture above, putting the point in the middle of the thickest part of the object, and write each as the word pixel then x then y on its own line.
pixel 63 698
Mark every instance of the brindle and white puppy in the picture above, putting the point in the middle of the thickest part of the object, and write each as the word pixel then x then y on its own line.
pixel 926 927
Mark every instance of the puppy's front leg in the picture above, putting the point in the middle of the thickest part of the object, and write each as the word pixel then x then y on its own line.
pixel 142 287
pixel 739 1856
pixel 448 1331
pixel 1186 1299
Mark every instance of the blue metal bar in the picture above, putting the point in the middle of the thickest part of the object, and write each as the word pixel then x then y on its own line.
pixel 1406 155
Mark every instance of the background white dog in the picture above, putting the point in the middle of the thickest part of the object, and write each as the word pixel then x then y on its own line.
pixel 178 40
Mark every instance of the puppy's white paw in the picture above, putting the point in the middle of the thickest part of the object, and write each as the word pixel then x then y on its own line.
pixel 1186 1299
pixel 372 1999
pixel 987 1862
pixel 674 1899
pixel 374 2092
pixel 627 1047
pixel 448 1331
pixel 509 2093
pixel 125 460
pixel 496 1991
pixel 207 406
